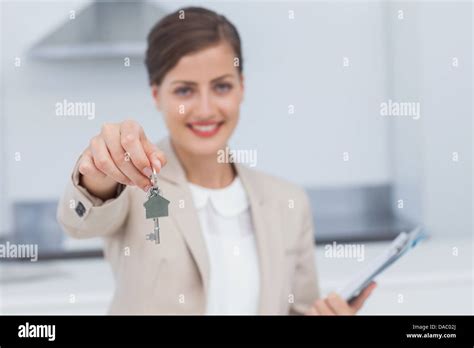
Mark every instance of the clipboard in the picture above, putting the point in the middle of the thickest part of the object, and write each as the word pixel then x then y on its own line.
pixel 399 246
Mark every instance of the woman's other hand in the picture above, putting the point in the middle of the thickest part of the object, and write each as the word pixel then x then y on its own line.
pixel 334 304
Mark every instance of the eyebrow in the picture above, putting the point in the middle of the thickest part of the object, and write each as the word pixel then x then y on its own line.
pixel 194 83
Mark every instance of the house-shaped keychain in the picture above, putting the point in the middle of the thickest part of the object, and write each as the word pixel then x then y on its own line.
pixel 156 206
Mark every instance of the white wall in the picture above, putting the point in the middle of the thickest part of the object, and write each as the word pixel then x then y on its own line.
pixel 3 207
pixel 299 62
pixel 435 189
pixel 285 63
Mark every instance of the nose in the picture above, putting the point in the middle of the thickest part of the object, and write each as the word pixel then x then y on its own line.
pixel 204 107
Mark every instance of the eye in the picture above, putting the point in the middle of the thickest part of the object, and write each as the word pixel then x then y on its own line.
pixel 223 87
pixel 183 91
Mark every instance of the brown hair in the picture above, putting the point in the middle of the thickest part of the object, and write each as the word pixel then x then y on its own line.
pixel 185 31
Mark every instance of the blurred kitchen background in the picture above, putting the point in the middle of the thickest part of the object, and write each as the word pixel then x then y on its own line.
pixel 332 63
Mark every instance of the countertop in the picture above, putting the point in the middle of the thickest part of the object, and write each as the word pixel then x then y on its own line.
pixel 436 278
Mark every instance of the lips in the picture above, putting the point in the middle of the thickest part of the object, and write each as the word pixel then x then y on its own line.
pixel 205 129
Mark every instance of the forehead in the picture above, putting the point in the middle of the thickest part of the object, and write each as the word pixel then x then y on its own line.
pixel 204 65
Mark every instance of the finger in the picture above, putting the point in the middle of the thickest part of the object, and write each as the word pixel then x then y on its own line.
pixel 358 302
pixel 131 134
pixel 323 308
pixel 111 136
pixel 103 161
pixel 312 311
pixel 87 167
pixel 338 305
pixel 157 157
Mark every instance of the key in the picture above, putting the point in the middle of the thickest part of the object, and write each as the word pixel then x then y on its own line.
pixel 156 232
pixel 156 206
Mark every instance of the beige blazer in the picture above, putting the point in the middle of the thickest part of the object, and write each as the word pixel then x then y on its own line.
pixel 172 277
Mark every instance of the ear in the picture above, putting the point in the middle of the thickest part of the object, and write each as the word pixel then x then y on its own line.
pixel 155 93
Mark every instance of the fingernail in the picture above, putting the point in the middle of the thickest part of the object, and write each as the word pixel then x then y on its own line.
pixel 157 163
pixel 147 171
pixel 147 187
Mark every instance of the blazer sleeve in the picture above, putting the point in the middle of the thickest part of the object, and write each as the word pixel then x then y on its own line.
pixel 305 284
pixel 83 215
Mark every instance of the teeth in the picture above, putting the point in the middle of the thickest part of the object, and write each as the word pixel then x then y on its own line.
pixel 208 128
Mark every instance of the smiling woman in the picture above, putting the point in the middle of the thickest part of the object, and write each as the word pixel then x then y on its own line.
pixel 201 95
pixel 237 241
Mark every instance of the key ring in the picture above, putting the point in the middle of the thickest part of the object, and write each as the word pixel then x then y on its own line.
pixel 154 181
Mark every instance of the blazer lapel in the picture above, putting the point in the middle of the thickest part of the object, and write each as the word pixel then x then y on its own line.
pixel 267 223
pixel 186 218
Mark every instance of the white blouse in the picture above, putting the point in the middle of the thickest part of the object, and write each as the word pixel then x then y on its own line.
pixel 226 224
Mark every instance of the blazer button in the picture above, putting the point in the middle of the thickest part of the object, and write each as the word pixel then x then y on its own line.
pixel 80 209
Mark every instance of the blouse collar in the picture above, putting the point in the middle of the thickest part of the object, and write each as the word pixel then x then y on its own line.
pixel 228 201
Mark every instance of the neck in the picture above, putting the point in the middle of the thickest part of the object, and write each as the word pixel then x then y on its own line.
pixel 205 170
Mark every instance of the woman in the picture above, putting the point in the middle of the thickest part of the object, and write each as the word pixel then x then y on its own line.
pixel 232 243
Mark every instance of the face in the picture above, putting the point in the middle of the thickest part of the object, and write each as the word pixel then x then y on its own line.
pixel 200 100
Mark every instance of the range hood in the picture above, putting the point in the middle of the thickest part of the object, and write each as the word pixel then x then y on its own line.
pixel 104 29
